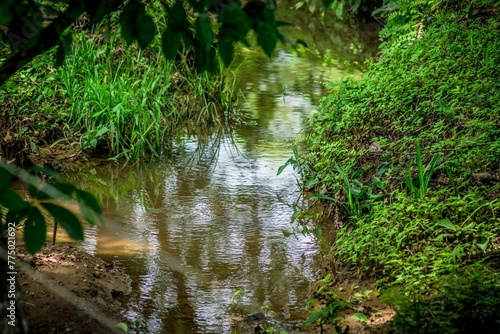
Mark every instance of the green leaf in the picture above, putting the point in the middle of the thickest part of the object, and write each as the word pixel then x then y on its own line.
pixel 35 230
pixel 177 18
pixel 360 317
pixel 89 206
pixel 210 65
pixel 204 53
pixel 204 32
pixel 282 24
pixel 282 168
pixel 339 10
pixel 127 17
pixel 226 48
pixel 16 216
pixel 302 42
pixel 123 326
pixel 447 224
pixel 356 5
pixel 311 319
pixel 86 212
pixel 324 197
pixel 57 190
pixel 97 10
pixel 37 193
pixel 484 244
pixel 5 178
pixel 170 44
pixel 235 24
pixel 312 182
pixel 136 24
pixel 12 201
pixel 146 29
pixel 45 170
pixel 66 219
pixel 103 130
pixel 254 9
pixel 65 189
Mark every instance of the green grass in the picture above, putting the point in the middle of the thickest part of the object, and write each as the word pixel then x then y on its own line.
pixel 423 118
pixel 121 101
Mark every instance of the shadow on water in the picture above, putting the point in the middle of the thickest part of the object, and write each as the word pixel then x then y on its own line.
pixel 193 232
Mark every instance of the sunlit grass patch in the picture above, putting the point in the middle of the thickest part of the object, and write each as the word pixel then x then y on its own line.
pixel 121 101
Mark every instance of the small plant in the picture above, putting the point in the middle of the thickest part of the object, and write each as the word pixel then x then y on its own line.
pixel 329 312
pixel 359 195
pixel 138 327
pixel 265 308
pixel 292 161
pixel 424 174
pixel 238 296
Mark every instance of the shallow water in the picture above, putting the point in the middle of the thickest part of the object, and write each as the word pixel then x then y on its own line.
pixel 218 222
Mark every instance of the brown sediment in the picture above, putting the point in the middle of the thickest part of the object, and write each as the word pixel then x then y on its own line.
pixel 66 290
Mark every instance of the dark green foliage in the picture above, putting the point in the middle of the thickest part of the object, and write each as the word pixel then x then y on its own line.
pixel 329 314
pixel 16 210
pixel 136 24
pixel 468 303
pixel 170 44
pixel 89 206
pixel 194 23
pixel 66 219
pixel 423 121
pixel 12 201
pixel 5 179
pixel 34 230
pixel 441 89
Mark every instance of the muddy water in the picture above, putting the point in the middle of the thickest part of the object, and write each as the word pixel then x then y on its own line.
pixel 210 238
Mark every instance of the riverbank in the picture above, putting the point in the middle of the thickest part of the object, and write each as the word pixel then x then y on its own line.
pixel 66 290
pixel 108 100
pixel 407 158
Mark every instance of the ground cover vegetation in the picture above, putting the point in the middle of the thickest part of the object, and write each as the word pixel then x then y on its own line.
pixel 408 159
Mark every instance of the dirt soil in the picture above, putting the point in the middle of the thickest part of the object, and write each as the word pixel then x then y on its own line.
pixel 80 293
pixel 359 293
pixel 42 140
pixel 362 298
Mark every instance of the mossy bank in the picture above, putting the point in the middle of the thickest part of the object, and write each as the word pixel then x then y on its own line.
pixel 408 157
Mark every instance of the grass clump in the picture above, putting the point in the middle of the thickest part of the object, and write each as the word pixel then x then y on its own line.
pixel 119 100
pixel 421 131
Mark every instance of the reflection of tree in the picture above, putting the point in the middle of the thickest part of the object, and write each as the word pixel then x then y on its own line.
pixel 350 42
pixel 180 319
pixel 271 85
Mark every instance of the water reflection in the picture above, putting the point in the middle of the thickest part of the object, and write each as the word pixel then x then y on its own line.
pixel 190 233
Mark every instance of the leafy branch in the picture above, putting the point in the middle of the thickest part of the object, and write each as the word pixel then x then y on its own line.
pixel 42 202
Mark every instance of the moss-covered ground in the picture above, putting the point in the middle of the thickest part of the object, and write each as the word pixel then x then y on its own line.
pixel 409 156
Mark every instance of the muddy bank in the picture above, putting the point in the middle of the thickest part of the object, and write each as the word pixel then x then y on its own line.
pixel 355 303
pixel 66 290
pixel 43 140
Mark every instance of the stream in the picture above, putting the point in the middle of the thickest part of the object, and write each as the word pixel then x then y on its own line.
pixel 211 238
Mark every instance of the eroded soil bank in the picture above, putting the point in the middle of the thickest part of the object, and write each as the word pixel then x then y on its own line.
pixel 66 290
